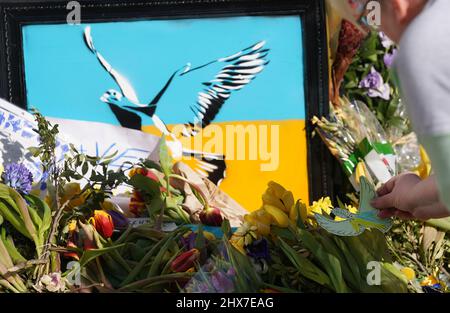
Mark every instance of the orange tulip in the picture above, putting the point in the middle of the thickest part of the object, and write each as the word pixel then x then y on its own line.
pixel 103 223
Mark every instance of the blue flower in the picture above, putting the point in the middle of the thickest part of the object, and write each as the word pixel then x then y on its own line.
pixel 18 177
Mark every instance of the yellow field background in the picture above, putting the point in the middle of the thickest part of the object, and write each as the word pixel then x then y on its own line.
pixel 245 181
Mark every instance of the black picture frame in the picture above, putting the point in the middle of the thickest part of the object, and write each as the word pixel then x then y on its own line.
pixel 16 13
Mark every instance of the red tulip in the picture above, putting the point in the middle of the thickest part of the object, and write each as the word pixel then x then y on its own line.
pixel 185 261
pixel 211 217
pixel 103 223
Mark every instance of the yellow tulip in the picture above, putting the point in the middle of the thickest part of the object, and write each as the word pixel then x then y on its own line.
pixel 409 273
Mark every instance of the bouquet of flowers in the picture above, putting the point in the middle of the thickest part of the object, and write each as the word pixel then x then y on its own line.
pixel 357 140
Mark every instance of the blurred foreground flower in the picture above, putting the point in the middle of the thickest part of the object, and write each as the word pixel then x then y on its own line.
pixel 389 58
pixel 18 177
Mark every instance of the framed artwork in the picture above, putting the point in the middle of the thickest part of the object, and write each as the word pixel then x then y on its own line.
pixel 231 83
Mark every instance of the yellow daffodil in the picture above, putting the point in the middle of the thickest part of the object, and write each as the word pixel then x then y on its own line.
pixel 322 205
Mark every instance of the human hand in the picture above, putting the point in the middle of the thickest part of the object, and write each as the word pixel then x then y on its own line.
pixel 408 197
pixel 393 196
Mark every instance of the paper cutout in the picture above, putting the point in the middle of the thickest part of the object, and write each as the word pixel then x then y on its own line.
pixel 356 224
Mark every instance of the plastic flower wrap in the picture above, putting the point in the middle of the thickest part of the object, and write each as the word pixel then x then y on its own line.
pixel 355 137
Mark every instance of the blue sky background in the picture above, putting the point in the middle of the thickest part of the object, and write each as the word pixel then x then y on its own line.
pixel 65 80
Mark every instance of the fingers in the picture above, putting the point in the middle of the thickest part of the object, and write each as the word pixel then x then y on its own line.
pixel 386 188
pixel 384 202
pixel 386 213
pixel 404 215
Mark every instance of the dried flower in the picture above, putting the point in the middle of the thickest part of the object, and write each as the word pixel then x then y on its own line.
pixel 52 282
pixel 18 177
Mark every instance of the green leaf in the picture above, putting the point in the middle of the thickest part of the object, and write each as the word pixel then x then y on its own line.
pixel 155 206
pixel 90 255
pixel 226 228
pixel 157 262
pixel 305 267
pixel 151 165
pixel 247 279
pixel 145 184
pixel 328 261
pixel 45 213
pixel 85 168
pixel 12 250
pixel 164 158
pixel 284 233
pixel 12 217
pixel 442 224
pixel 200 241
pixel 351 261
pixel 142 263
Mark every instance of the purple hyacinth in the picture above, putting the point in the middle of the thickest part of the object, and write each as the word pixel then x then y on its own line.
pixel 18 177
pixel 389 58
pixel 375 85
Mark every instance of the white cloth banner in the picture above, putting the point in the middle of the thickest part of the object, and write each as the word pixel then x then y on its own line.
pixel 95 139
